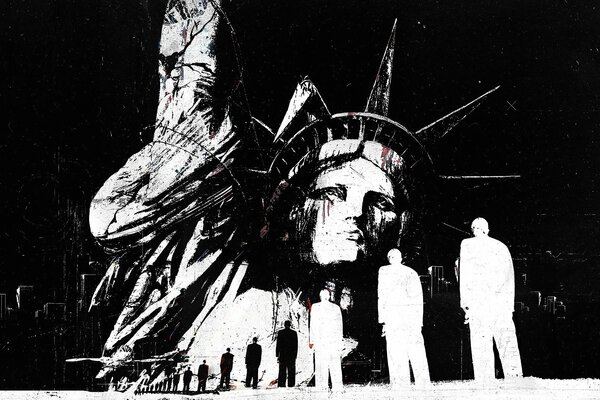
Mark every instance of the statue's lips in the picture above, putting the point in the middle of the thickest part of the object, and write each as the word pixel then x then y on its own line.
pixel 354 235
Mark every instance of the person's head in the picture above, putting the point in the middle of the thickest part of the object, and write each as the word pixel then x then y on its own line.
pixel 287 324
pixel 325 295
pixel 254 339
pixel 394 257
pixel 203 361
pixel 188 368
pixel 479 227
pixel 228 349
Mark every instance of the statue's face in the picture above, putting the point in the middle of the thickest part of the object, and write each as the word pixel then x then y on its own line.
pixel 349 213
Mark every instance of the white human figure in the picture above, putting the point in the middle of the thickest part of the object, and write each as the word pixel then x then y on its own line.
pixel 326 339
pixel 400 308
pixel 487 291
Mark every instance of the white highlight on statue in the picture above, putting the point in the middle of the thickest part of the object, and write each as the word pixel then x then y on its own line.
pixel 400 307
pixel 487 291
pixel 326 339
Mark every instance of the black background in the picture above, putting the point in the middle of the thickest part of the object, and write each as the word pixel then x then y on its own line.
pixel 80 84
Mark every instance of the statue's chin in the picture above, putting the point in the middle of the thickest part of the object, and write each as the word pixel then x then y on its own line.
pixel 336 255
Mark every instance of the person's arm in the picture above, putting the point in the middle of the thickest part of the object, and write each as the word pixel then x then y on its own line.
pixel 313 324
pixel 463 278
pixel 247 354
pixel 278 345
pixel 506 288
pixel 415 294
pixel 294 350
pixel 380 298
pixel 259 355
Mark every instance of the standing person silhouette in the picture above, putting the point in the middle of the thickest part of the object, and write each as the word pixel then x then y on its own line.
pixel 176 376
pixel 253 356
pixel 226 367
pixel 202 376
pixel 487 295
pixel 286 351
pixel 326 338
pixel 400 309
pixel 187 378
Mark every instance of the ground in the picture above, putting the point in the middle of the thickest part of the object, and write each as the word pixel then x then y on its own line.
pixel 529 388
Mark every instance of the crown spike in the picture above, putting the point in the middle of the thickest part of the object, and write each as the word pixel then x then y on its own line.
pixel 305 106
pixel 438 129
pixel 379 99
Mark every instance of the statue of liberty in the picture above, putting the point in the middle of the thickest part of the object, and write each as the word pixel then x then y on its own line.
pixel 221 229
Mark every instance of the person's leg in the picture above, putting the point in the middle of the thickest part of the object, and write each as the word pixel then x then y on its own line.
pixel 321 369
pixel 281 376
pixel 291 370
pixel 397 357
pixel 222 380
pixel 482 350
pixel 248 376
pixel 254 378
pixel 227 380
pixel 508 347
pixel 335 369
pixel 418 358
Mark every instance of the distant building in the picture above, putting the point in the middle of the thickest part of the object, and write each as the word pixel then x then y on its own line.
pixel 446 285
pixel 523 281
pixel 436 272
pixel 87 287
pixel 55 311
pixel 25 300
pixel 561 311
pixel 534 299
pixel 3 307
pixel 550 303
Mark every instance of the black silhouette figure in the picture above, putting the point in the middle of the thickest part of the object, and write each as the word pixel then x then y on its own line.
pixel 286 351
pixel 187 378
pixel 202 376
pixel 253 355
pixel 176 377
pixel 226 367
pixel 169 378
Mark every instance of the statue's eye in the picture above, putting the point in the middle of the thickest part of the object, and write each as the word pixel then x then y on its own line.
pixel 381 201
pixel 332 193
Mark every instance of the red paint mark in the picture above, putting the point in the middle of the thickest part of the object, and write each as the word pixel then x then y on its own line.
pixel 264 230
pixel 387 157
pixel 326 209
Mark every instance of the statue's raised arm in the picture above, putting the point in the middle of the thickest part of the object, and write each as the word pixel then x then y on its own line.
pixel 166 215
pixel 184 168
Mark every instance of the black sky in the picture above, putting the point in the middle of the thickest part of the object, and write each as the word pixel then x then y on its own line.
pixel 80 85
